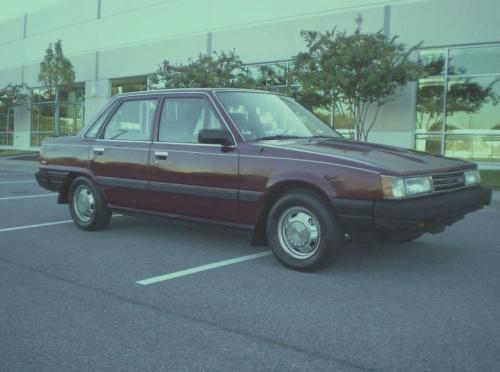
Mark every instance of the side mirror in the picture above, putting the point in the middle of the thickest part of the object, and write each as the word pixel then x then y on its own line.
pixel 215 136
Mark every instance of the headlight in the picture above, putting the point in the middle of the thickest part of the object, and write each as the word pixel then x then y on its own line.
pixel 472 177
pixel 397 187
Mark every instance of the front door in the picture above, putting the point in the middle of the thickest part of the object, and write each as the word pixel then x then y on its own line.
pixel 188 178
pixel 119 157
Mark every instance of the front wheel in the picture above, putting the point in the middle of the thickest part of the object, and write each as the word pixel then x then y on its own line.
pixel 87 206
pixel 303 232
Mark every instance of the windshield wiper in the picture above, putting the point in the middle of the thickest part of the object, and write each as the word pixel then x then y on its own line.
pixel 325 136
pixel 278 137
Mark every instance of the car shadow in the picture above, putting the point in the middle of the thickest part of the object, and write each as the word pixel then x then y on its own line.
pixel 424 255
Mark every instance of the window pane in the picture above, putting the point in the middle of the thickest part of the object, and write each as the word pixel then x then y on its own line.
pixel 434 61
pixel 473 104
pixel 276 74
pixel 473 147
pixel 3 138
pixel 96 126
pixel 430 103
pixel 67 120
pixel 129 85
pixel 3 119
pixel 132 121
pixel 41 95
pixel 428 143
pixel 258 74
pixel 46 118
pixel 182 118
pixel 480 60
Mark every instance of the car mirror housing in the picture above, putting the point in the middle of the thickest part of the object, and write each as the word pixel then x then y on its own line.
pixel 215 136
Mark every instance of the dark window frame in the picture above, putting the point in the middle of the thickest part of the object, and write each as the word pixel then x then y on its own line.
pixel 190 95
pixel 119 102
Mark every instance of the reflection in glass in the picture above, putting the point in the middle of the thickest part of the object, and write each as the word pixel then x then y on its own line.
pixel 276 74
pixel 473 104
pixel 71 113
pixel 6 125
pixel 430 105
pixel 135 84
pixel 272 76
pixel 428 143
pixel 434 61
pixel 476 60
pixel 473 147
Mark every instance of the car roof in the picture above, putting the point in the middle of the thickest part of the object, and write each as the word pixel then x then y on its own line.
pixel 194 90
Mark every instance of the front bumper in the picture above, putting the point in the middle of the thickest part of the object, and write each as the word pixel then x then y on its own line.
pixel 410 217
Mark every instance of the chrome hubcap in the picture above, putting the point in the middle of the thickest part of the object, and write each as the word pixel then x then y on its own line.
pixel 299 232
pixel 84 203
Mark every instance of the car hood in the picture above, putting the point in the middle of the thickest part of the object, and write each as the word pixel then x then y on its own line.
pixel 393 160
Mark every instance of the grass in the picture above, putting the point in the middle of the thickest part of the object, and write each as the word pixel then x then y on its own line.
pixel 490 179
pixel 6 153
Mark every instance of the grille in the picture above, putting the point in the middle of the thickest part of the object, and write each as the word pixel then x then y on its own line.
pixel 448 181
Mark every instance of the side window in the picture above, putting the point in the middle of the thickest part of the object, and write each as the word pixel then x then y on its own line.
pixel 96 126
pixel 132 121
pixel 182 118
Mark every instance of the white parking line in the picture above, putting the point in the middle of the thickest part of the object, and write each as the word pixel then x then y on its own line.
pixel 34 226
pixel 4 183
pixel 27 196
pixel 14 174
pixel 194 270
pixel 7 229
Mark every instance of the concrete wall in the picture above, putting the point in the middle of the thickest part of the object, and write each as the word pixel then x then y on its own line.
pixel 110 39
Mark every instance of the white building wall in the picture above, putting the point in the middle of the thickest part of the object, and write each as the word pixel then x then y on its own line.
pixel 123 38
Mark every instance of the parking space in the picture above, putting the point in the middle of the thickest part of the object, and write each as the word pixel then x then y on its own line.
pixel 70 298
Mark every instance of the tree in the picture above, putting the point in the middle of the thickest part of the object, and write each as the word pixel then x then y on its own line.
pixel 10 96
pixel 353 73
pixel 56 72
pixel 220 70
pixel 13 95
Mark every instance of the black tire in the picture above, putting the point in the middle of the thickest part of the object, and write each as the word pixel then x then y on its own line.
pixel 410 238
pixel 99 214
pixel 292 213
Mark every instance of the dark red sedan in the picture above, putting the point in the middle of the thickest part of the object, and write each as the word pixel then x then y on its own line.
pixel 255 160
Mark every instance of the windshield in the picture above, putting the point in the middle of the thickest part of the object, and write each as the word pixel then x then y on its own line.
pixel 263 116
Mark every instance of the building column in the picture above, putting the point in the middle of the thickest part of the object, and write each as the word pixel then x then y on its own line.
pixel 97 93
pixel 22 125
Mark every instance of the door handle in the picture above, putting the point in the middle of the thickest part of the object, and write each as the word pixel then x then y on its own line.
pixel 161 155
pixel 99 150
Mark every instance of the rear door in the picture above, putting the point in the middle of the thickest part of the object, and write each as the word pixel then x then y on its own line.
pixel 188 178
pixel 119 158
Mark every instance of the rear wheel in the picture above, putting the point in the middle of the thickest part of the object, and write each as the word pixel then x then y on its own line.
pixel 303 232
pixel 87 206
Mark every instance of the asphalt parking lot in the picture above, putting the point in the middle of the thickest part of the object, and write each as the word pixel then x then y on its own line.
pixel 70 300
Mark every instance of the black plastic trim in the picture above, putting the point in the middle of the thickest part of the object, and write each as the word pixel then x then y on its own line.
pixel 50 179
pixel 433 206
pixel 250 196
pixel 209 192
pixel 122 182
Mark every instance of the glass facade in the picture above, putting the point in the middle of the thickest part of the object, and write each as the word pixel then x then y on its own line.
pixel 275 76
pixel 71 114
pixel 132 84
pixel 6 125
pixel 458 103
